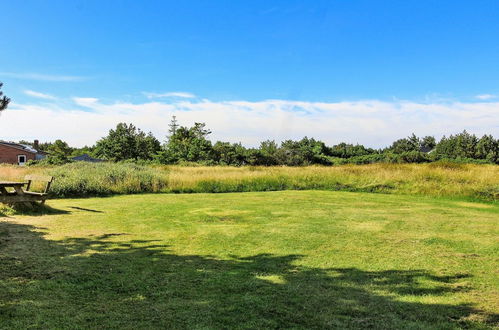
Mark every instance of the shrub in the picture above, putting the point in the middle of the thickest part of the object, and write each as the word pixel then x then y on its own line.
pixel 413 157
pixel 84 179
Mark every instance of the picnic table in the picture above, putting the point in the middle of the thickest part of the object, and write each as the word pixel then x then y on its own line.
pixel 11 197
pixel 19 195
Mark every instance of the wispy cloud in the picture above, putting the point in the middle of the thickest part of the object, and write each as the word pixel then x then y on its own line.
pixel 184 95
pixel 39 95
pixel 373 123
pixel 486 97
pixel 41 77
pixel 85 101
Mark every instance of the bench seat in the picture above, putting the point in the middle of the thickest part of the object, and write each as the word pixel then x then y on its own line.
pixel 34 193
pixel 39 196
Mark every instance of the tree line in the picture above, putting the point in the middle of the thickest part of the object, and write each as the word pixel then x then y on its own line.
pixel 191 145
pixel 184 144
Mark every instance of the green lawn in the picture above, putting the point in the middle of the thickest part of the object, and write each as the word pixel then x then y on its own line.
pixel 292 259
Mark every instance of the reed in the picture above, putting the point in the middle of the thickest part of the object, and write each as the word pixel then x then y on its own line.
pixel 435 179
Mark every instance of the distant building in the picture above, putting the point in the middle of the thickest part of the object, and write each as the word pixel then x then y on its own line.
pixel 20 154
pixel 86 158
pixel 426 150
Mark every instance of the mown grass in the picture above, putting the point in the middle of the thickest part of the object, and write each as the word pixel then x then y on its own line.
pixel 479 182
pixel 294 259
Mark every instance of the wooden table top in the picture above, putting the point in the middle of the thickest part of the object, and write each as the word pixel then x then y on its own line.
pixel 11 184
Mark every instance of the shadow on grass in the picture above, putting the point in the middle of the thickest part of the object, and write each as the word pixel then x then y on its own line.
pixel 85 209
pixel 36 209
pixel 100 283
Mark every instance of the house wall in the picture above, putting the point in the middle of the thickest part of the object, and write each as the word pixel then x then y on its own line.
pixel 9 155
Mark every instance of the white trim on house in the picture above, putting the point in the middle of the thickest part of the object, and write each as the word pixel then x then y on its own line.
pixel 19 162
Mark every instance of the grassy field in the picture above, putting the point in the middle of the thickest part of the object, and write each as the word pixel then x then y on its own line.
pixel 479 182
pixel 290 259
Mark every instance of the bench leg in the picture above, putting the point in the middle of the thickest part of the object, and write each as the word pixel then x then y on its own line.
pixel 20 192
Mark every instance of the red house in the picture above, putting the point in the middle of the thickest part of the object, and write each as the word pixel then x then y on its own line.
pixel 15 153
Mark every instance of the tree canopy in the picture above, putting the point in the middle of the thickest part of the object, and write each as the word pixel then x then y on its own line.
pixel 187 144
pixel 127 142
pixel 192 145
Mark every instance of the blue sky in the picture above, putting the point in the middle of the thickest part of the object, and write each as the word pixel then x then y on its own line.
pixel 57 53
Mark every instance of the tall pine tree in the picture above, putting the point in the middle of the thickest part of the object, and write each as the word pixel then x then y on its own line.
pixel 173 126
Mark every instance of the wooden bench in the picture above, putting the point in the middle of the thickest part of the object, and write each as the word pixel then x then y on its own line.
pixel 25 196
pixel 39 196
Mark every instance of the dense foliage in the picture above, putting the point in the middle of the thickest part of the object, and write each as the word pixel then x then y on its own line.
pixel 192 145
pixel 187 145
pixel 127 142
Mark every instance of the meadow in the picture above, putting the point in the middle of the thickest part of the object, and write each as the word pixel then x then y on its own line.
pixel 288 259
pixel 438 179
pixel 400 246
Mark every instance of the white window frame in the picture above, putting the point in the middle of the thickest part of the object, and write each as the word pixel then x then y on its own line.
pixel 19 160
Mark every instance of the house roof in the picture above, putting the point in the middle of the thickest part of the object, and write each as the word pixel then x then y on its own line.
pixel 425 149
pixel 87 158
pixel 23 147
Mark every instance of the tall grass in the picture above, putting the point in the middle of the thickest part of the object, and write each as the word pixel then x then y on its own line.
pixel 89 179
pixel 435 179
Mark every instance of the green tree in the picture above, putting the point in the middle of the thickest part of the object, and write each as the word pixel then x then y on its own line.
pixel 345 150
pixel 466 145
pixel 59 151
pixel 84 150
pixel 226 153
pixel 304 152
pixel 127 142
pixel 268 153
pixel 411 143
pixel 462 145
pixel 488 148
pixel 173 126
pixel 255 157
pixel 188 144
pixel 428 143
pixel 147 146
pixel 4 100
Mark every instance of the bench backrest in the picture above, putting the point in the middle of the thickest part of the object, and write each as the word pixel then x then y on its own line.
pixel 44 178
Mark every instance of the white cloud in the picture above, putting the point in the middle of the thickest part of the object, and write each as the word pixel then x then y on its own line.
pixel 39 95
pixel 373 123
pixel 85 101
pixel 486 97
pixel 185 95
pixel 41 77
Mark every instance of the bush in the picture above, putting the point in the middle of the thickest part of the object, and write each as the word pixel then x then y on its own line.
pixel 413 157
pixel 87 179
pixel 367 159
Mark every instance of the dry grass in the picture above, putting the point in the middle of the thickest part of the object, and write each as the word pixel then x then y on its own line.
pixel 445 179
pixel 480 181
